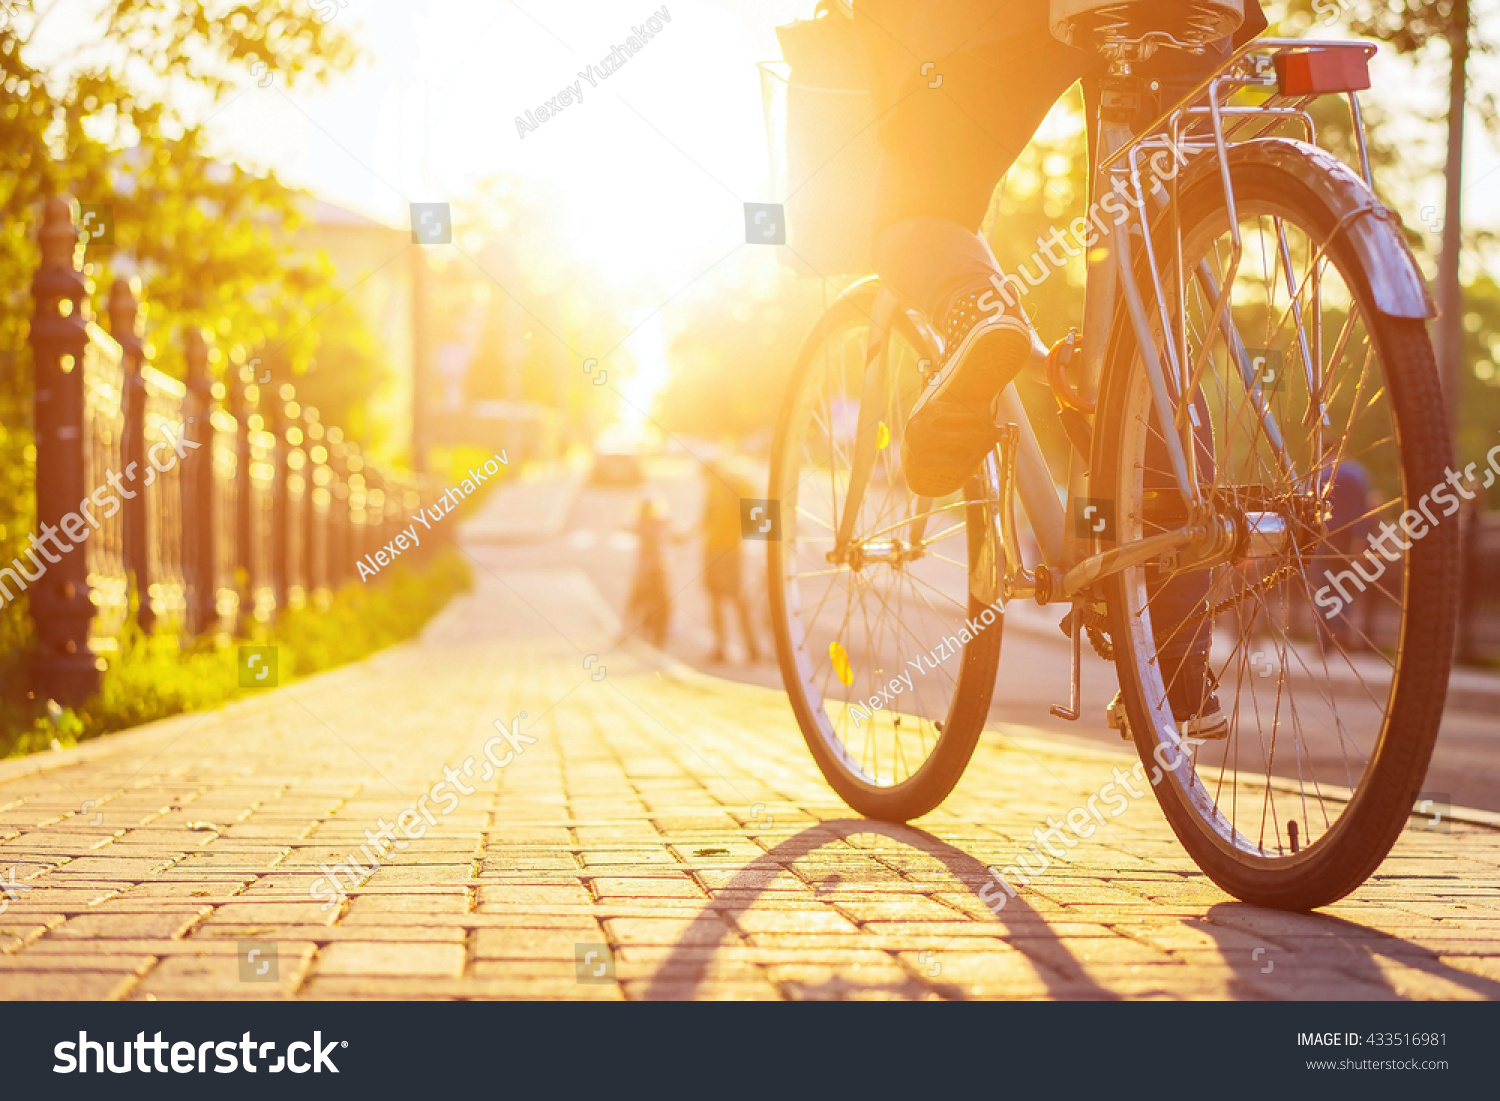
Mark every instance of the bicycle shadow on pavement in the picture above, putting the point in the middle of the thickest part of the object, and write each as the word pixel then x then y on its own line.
pixel 1320 956
pixel 692 956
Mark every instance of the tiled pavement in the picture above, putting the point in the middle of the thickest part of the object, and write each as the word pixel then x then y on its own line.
pixel 673 822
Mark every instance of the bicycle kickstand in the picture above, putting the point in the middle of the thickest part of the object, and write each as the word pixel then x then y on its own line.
pixel 1075 691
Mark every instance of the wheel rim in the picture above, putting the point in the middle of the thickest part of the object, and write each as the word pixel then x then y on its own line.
pixel 1307 697
pixel 890 598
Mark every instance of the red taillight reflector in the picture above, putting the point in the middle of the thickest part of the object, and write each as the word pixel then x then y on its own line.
pixel 1319 72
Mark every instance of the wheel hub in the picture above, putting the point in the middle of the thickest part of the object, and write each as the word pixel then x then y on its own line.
pixel 857 555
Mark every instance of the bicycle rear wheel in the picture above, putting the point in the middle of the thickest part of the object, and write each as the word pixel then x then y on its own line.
pixel 1333 704
pixel 888 640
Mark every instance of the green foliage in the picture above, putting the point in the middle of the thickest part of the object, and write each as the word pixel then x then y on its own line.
pixel 208 238
pixel 344 369
pixel 152 678
pixel 1479 427
pixel 214 245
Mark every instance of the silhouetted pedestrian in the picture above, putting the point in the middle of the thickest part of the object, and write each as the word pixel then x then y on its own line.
pixel 722 543
pixel 649 608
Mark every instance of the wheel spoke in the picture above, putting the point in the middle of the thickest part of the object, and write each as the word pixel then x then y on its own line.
pixel 1306 444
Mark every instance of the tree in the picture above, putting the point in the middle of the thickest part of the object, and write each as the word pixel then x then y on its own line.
pixel 106 126
pixel 1419 28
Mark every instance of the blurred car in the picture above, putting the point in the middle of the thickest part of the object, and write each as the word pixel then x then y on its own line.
pixel 618 467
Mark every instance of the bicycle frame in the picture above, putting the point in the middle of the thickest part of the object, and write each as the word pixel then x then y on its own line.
pixel 1203 124
pixel 1205 562
pixel 1069 568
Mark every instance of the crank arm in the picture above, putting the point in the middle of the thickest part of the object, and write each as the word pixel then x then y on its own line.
pixel 1205 545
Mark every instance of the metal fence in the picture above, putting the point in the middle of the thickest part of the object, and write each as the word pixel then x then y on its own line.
pixel 212 504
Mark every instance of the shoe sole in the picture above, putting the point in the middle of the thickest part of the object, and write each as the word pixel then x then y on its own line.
pixel 967 378
pixel 954 435
pixel 1216 731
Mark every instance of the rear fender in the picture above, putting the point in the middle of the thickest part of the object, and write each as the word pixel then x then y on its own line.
pixel 1373 229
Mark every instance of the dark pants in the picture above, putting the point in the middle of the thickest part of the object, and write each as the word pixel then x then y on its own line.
pixel 944 149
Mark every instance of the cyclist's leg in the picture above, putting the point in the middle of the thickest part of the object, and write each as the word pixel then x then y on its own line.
pixel 964 85
pixel 1178 602
pixel 944 149
pixel 1183 629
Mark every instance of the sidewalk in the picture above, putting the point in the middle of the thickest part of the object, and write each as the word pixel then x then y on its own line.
pixel 533 506
pixel 671 823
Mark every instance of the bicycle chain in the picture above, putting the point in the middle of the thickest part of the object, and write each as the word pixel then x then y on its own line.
pixel 1095 626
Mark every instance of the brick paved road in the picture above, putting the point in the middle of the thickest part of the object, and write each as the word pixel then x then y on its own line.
pixel 673 822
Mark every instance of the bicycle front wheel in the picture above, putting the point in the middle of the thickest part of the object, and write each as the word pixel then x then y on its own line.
pixel 888 636
pixel 1318 424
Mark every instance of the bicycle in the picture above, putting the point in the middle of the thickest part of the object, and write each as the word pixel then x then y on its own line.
pixel 1258 320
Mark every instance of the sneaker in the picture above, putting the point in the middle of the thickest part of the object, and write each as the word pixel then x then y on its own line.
pixel 952 426
pixel 1196 709
pixel 1210 724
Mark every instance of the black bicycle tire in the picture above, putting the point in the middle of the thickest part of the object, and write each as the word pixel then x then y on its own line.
pixel 1373 820
pixel 925 789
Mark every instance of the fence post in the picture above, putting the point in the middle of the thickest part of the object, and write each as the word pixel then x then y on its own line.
pixel 199 531
pixel 279 424
pixel 124 326
pixel 242 404
pixel 340 526
pixel 63 667
pixel 317 507
pixel 359 505
pixel 377 515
